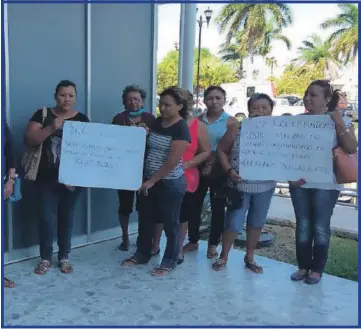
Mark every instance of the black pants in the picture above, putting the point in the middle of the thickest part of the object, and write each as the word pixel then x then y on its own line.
pixel 194 213
pixel 163 201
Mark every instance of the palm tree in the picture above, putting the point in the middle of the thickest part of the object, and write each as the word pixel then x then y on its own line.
pixel 345 38
pixel 316 54
pixel 252 20
pixel 231 53
pixel 271 62
pixel 272 33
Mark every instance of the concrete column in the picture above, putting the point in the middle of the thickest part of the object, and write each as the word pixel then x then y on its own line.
pixel 187 35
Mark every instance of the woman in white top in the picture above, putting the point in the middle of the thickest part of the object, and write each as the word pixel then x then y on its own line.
pixel 313 203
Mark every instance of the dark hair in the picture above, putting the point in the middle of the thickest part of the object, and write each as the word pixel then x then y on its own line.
pixel 133 89
pixel 190 98
pixel 328 93
pixel 64 84
pixel 211 88
pixel 179 97
pixel 257 97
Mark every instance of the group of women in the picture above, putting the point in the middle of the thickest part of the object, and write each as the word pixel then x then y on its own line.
pixel 185 157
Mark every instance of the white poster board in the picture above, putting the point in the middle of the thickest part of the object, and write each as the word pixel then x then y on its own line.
pixel 102 155
pixel 287 148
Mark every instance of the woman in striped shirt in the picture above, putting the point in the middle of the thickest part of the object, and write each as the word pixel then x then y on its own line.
pixel 164 186
pixel 254 197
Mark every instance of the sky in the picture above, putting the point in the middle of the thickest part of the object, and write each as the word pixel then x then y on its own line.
pixel 306 21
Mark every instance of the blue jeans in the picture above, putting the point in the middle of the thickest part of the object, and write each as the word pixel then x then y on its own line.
pixel 162 204
pixel 255 206
pixel 313 210
pixel 56 203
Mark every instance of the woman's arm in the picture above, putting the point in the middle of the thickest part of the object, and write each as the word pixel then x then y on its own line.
pixel 204 147
pixel 176 153
pixel 224 149
pixel 345 136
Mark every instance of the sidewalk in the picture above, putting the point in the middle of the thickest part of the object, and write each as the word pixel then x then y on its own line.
pixel 344 219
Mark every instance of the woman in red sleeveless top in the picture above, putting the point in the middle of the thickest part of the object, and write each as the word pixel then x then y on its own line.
pixel 197 152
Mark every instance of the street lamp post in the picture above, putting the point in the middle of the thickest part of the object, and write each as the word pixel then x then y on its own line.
pixel 208 15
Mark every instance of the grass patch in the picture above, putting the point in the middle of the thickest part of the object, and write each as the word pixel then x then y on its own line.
pixel 342 255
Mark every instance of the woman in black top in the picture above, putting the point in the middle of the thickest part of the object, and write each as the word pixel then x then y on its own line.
pixel 9 178
pixel 53 196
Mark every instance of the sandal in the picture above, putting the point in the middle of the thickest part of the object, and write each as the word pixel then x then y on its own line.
pixel 8 283
pixel 252 265
pixel 131 261
pixel 43 267
pixel 299 275
pixel 212 252
pixel 189 247
pixel 64 266
pixel 161 271
pixel 124 246
pixel 219 264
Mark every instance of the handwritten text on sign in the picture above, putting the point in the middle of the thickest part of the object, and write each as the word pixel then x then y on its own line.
pixel 102 155
pixel 287 148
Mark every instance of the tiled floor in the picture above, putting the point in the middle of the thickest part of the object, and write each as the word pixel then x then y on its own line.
pixel 100 292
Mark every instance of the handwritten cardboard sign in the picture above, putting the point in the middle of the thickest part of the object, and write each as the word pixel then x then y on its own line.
pixel 102 155
pixel 287 148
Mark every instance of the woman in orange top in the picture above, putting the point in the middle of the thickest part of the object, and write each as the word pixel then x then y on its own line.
pixel 197 152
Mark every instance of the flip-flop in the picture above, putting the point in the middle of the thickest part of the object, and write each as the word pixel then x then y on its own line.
pixel 123 247
pixel 8 283
pixel 129 262
pixel 253 266
pixel 219 264
pixel 161 271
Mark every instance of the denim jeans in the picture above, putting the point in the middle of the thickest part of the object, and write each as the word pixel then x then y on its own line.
pixel 162 204
pixel 56 203
pixel 255 206
pixel 313 210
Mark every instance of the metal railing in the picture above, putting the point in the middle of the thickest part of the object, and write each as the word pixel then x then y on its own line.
pixel 351 193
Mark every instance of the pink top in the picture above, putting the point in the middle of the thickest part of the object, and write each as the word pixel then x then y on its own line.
pixel 192 174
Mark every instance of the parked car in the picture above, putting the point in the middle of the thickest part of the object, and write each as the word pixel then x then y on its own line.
pixel 352 110
pixel 293 99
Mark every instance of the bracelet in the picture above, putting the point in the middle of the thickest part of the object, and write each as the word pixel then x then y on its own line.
pixel 343 132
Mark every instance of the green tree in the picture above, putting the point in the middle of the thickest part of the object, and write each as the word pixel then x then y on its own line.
pixel 271 62
pixel 271 34
pixel 291 82
pixel 345 38
pixel 231 53
pixel 316 54
pixel 213 71
pixel 252 20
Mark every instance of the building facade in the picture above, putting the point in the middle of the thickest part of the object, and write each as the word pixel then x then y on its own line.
pixel 102 48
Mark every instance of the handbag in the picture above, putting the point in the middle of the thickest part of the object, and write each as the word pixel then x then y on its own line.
pixel 232 196
pixel 345 166
pixel 16 195
pixel 213 171
pixel 31 159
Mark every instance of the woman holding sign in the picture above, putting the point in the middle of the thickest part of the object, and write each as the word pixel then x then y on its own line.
pixel 46 128
pixel 197 152
pixel 245 198
pixel 134 115
pixel 162 192
pixel 314 202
